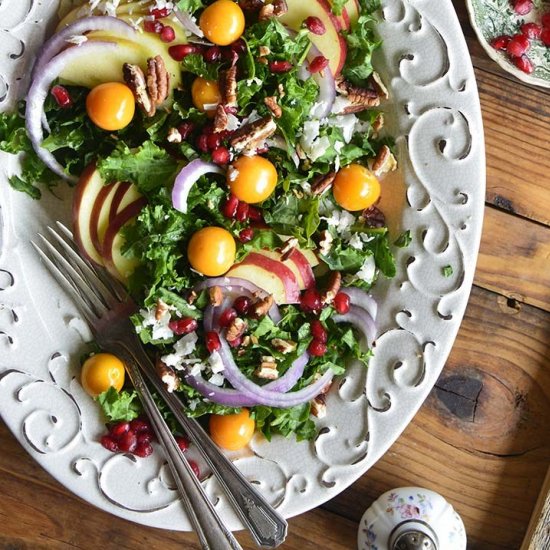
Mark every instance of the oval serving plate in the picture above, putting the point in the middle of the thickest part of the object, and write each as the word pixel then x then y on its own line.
pixel 435 116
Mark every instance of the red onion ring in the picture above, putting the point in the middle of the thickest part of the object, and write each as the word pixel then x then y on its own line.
pixel 187 177
pixel 39 91
pixel 360 298
pixel 94 23
pixel 361 319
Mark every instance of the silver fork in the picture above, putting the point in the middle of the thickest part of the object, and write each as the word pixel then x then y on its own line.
pixel 106 308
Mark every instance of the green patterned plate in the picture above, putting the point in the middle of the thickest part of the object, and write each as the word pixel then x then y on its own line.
pixel 492 18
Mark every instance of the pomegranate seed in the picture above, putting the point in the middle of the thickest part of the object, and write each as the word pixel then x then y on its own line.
pixel 531 30
pixel 230 55
pixel 518 45
pixel 229 209
pixel 242 212
pixel 185 129
pixel 262 150
pixel 246 235
pixel 61 96
pixel 213 141
pixel 524 64
pixel 144 437
pixel 143 450
pixel 318 64
pixel 280 66
pixel 153 26
pixel 139 426
pixel 167 34
pixel 182 50
pixel 255 214
pixel 523 7
pixel 159 13
pixel 221 156
pixel 318 331
pixel 310 301
pixel 546 20
pixel 545 36
pixel 194 467
pixel 239 46
pixel 315 25
pixel 317 348
pixel 501 42
pixel 202 143
pixel 212 342
pixel 212 54
pixel 235 343
pixel 128 442
pixel 242 304
pixel 183 326
pixel 227 316
pixel 119 429
pixel 341 303
pixel 109 443
pixel 183 443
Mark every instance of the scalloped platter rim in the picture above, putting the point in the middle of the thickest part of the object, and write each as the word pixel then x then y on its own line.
pixel 435 116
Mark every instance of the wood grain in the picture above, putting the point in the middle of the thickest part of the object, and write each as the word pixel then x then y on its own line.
pixel 538 532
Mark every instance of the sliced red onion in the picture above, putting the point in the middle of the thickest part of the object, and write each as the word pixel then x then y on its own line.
pixel 327 85
pixel 39 91
pixel 187 178
pixel 361 319
pixel 60 40
pixel 290 377
pixel 360 298
pixel 187 21
pixel 266 397
pixel 240 286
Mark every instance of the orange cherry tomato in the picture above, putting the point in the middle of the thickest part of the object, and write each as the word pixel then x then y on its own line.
pixel 100 372
pixel 232 431
pixel 211 251
pixel 111 106
pixel 355 188
pixel 222 22
pixel 206 94
pixel 252 179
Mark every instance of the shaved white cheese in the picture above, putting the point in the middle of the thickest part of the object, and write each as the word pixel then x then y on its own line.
pixel 233 123
pixel 340 103
pixel 368 270
pixel 160 329
pixel 77 39
pixel 186 346
pixel 346 123
pixel 356 242
pixel 217 379
pixel 340 220
pixel 215 363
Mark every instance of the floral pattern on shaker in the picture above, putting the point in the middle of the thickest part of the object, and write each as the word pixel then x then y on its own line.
pixel 416 506
pixel 370 537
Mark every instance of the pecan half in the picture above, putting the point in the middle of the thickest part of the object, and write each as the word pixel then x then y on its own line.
pixel 333 287
pixel 236 329
pixel 252 135
pixel 284 346
pixel 360 98
pixel 251 5
pixel 275 9
pixel 319 406
pixel 378 123
pixel 273 106
pixel 373 217
pixel 174 136
pixel 215 294
pixel 262 306
pixel 160 309
pixel 322 183
pixel 191 297
pixel 221 121
pixel 158 80
pixel 167 375
pixel 135 79
pixel 384 162
pixel 267 369
pixel 325 244
pixel 228 86
pixel 379 85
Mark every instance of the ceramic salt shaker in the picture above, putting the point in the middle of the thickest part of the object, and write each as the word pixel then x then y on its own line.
pixel 411 518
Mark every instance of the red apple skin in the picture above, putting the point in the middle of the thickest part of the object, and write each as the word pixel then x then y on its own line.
pixel 300 261
pixel 354 9
pixel 343 19
pixel 117 199
pixel 85 195
pixel 121 219
pixel 282 272
pixel 99 204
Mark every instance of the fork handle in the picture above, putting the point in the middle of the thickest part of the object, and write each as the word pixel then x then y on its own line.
pixel 265 524
pixel 212 533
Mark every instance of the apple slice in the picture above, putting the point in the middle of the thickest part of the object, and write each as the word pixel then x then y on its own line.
pixel 117 264
pixel 353 9
pixel 303 267
pixel 126 194
pixel 90 186
pixel 277 257
pixel 270 275
pixel 331 44
pixel 99 220
pixel 343 18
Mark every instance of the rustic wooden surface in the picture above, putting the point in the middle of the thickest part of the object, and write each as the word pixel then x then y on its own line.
pixel 482 439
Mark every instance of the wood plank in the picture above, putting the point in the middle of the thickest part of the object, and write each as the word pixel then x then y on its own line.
pixel 538 532
pixel 489 463
pixel 514 258
pixel 37 513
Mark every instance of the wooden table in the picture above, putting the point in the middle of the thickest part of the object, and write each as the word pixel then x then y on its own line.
pixel 482 439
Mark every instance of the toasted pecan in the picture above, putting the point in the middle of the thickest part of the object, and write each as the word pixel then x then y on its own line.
pixel 322 183
pixel 136 81
pixel 273 106
pixel 252 135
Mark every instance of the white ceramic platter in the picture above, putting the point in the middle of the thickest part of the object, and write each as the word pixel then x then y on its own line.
pixel 435 115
